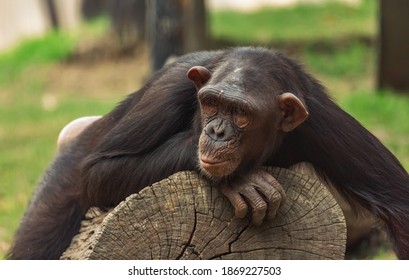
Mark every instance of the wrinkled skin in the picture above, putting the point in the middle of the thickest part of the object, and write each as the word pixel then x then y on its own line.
pixel 258 190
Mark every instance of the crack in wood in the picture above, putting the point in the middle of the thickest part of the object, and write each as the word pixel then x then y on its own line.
pixel 218 256
pixel 189 242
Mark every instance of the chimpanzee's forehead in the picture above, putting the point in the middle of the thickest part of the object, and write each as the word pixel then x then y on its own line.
pixel 235 72
pixel 241 75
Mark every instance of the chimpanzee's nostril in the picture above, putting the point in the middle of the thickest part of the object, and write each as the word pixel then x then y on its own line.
pixel 219 131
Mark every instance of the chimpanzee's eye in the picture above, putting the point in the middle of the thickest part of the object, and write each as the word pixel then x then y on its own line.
pixel 241 119
pixel 209 107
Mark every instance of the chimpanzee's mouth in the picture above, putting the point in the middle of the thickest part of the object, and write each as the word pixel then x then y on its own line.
pixel 218 167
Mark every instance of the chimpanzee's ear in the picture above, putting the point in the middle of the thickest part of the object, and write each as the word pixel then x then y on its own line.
pixel 292 110
pixel 199 75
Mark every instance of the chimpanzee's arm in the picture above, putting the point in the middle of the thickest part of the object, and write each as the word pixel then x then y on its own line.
pixel 107 180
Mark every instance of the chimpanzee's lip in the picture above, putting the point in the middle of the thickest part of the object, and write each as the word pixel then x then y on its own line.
pixel 218 168
pixel 211 162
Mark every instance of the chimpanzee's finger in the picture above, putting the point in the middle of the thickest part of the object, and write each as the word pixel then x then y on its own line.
pixel 239 204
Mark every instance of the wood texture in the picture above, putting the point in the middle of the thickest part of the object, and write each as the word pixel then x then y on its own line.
pixel 183 217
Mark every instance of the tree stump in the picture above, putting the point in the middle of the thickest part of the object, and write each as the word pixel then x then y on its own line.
pixel 183 217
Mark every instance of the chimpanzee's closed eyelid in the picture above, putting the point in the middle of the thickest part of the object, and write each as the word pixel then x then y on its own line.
pixel 209 106
pixel 242 117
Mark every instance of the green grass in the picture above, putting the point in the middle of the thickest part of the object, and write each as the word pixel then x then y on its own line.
pixel 380 108
pixel 54 46
pixel 300 23
pixel 355 59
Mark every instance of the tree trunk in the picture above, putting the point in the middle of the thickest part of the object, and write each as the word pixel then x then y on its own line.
pixel 164 30
pixel 195 26
pixel 183 217
pixel 175 27
pixel 394 45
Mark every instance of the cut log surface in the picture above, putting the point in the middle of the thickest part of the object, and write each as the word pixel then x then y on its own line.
pixel 184 217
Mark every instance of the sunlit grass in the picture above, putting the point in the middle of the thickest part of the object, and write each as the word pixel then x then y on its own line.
pixel 355 59
pixel 52 47
pixel 300 23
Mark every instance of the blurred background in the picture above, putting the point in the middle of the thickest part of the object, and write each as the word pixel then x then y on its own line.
pixel 60 60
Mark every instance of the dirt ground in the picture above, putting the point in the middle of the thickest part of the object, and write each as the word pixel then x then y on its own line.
pixel 101 70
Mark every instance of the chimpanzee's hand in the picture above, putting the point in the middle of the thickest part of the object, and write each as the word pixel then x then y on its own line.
pixel 259 190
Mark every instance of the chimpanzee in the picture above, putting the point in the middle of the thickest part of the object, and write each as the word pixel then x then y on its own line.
pixel 224 114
